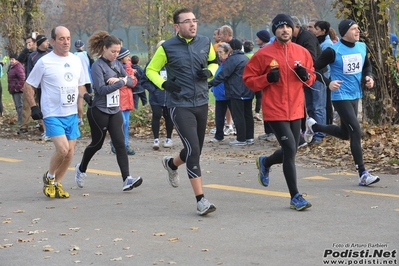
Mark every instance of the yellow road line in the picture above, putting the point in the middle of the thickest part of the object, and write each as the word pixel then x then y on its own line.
pixel 9 160
pixel 250 190
pixel 317 177
pixel 372 193
pixel 100 172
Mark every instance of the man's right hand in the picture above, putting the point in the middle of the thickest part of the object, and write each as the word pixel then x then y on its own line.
pixel 273 75
pixel 171 86
pixel 36 114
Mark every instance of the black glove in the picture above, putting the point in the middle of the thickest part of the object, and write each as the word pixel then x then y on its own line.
pixel 301 72
pixel 36 114
pixel 204 73
pixel 88 99
pixel 171 86
pixel 273 75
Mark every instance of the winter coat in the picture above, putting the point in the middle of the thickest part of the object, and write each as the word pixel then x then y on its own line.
pixel 16 78
pixel 231 75
pixel 125 93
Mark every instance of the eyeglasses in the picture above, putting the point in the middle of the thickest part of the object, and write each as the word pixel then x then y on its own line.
pixel 188 21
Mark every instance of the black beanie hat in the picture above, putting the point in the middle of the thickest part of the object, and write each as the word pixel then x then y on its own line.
pixel 40 39
pixel 281 19
pixel 235 44
pixel 263 35
pixel 344 26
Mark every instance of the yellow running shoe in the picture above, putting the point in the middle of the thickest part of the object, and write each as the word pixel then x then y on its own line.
pixel 48 186
pixel 59 192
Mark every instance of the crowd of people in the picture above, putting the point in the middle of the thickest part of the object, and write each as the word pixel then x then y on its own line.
pixel 297 78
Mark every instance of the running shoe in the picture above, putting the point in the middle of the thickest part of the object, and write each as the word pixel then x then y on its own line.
pixel 79 176
pixel 48 186
pixel 367 179
pixel 299 203
pixel 214 140
pixel 237 143
pixel 60 192
pixel 250 141
pixel 204 207
pixel 308 136
pixel 263 175
pixel 130 151
pixel 173 175
pixel 267 137
pixel 228 130
pixel 168 143
pixel 132 182
pixel 155 146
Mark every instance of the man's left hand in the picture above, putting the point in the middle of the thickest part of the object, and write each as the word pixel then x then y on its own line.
pixel 204 73
pixel 369 82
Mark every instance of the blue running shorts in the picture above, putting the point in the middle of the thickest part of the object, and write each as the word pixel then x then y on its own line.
pixel 62 125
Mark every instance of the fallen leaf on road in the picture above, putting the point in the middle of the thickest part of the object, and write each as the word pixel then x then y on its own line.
pixel 25 240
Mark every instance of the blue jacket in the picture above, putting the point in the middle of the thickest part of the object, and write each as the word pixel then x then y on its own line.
pixel 231 75
pixel 218 90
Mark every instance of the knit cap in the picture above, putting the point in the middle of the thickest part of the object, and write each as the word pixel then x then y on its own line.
pixel 281 19
pixel 123 53
pixel 344 26
pixel 263 35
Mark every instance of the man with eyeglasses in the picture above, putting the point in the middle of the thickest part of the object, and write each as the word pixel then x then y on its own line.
pixel 190 61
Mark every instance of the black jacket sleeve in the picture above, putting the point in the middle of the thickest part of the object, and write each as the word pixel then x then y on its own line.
pixel 326 57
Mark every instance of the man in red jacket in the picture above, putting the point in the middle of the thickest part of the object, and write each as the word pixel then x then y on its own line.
pixel 280 70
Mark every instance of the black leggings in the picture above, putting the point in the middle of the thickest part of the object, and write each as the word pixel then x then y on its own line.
pixel 258 102
pixel 287 134
pixel 190 124
pixel 349 129
pixel 100 123
pixel 157 112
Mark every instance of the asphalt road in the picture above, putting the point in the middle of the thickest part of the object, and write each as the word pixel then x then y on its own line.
pixel 156 224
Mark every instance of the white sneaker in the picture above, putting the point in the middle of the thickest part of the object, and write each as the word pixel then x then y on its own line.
pixel 228 130
pixel 204 207
pixel 238 143
pixel 155 146
pixel 308 136
pixel 250 141
pixel 45 138
pixel 168 143
pixel 132 182
pixel 79 176
pixel 213 140
pixel 173 175
pixel 367 179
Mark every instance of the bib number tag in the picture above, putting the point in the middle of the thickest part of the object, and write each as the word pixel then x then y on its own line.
pixel 113 99
pixel 352 64
pixel 69 96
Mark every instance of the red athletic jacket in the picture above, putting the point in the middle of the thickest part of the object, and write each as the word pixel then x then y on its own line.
pixel 126 93
pixel 283 100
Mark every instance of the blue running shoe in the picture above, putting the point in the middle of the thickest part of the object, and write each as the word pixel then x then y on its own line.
pixel 263 176
pixel 299 203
